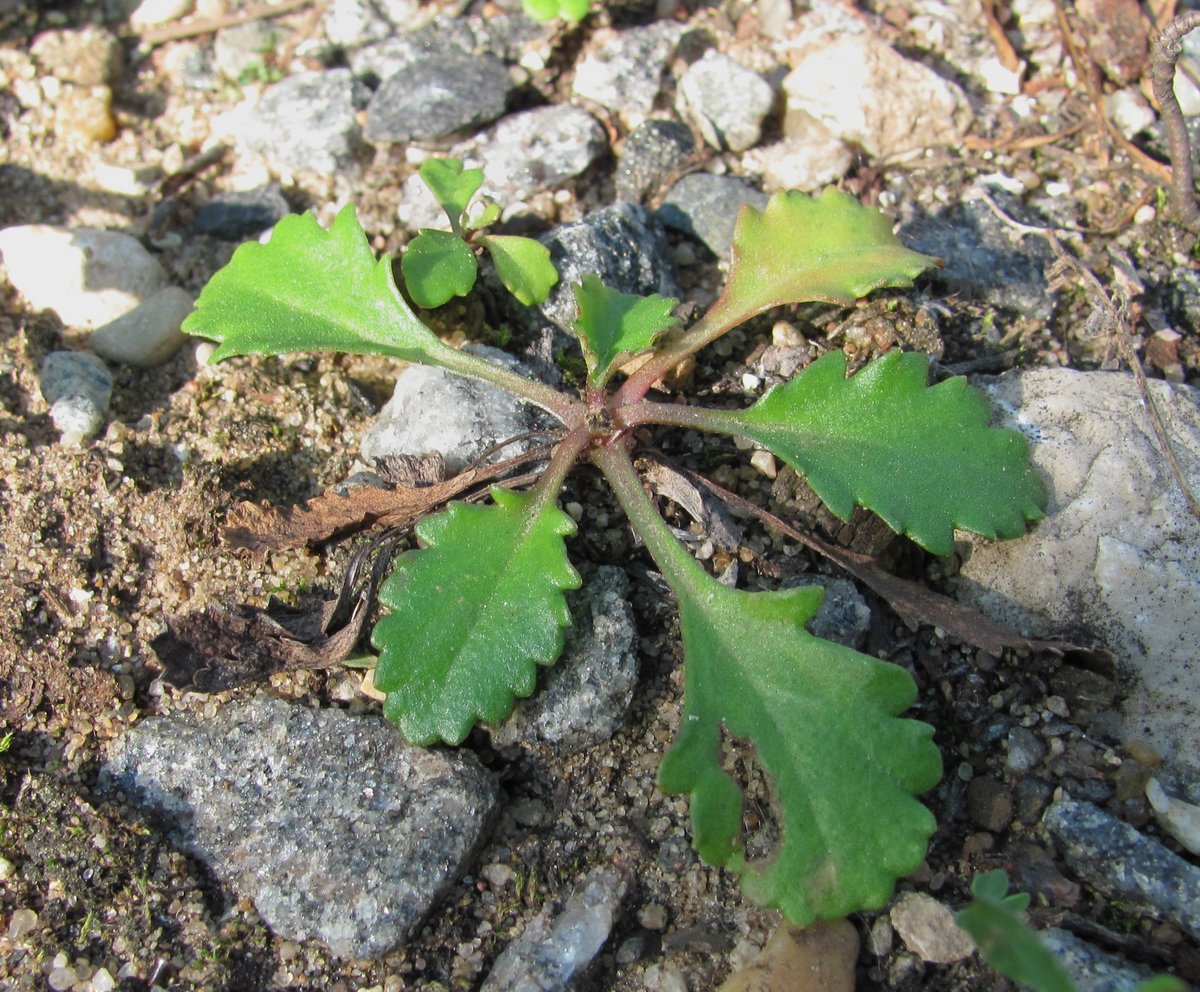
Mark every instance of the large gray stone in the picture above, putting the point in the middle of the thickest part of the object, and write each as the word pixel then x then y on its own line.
pixel 329 822
pixel 1117 559
pixel 707 207
pixel 432 410
pixel 588 690
pixel 727 101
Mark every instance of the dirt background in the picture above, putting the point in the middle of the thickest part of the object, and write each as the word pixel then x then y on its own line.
pixel 99 543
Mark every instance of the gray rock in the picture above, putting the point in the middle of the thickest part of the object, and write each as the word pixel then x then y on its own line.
pixel 329 822
pixel 621 244
pixel 1185 297
pixel 535 150
pixel 305 122
pixel 654 151
pixel 989 804
pixel 706 207
pixel 586 693
pixel 866 93
pixel 1121 863
pixel 1117 559
pixel 242 214
pixel 1025 750
pixel 551 952
pixel 432 410
pixel 78 387
pixel 727 101
pixel 504 36
pixel 88 277
pixel 351 23
pixel 148 335
pixel 844 615
pixel 437 97
pixel 983 257
pixel 239 51
pixel 1091 968
pixel 626 73
pixel 928 929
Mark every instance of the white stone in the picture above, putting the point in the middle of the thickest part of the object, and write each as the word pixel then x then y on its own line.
pixel 1117 559
pixel 78 387
pixel 151 12
pixel 1178 818
pixel 87 276
pixel 804 164
pixel 148 335
pixel 1129 111
pixel 866 93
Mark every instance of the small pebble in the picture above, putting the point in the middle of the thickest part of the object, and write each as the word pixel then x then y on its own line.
pixel 764 461
pixel 151 12
pixel 103 981
pixel 21 923
pixel 727 101
pixel 148 335
pixel 928 929
pixel 653 916
pixel 78 387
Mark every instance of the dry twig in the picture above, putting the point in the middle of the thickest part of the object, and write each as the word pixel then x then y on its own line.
pixel 1165 47
pixel 161 33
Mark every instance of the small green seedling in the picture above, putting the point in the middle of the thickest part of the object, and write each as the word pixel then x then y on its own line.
pixel 1007 943
pixel 547 10
pixel 440 265
pixel 480 605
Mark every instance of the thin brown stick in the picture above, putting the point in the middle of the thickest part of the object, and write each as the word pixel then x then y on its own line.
pixel 160 33
pixel 1115 317
pixel 1165 48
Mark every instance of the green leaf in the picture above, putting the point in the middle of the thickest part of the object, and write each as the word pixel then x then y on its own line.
pixel 923 458
pixel 545 10
pixel 801 249
pixel 451 185
pixel 824 723
pixel 438 265
pixel 1005 942
pixel 523 265
pixel 473 613
pixel 484 218
pixel 613 326
pixel 308 289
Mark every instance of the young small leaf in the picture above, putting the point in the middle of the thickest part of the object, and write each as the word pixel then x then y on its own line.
pixel 308 289
pixel 473 613
pixel 437 266
pixel 451 185
pixel 485 217
pixel 801 249
pixel 546 10
pixel 613 326
pixel 1005 942
pixel 824 723
pixel 523 265
pixel 923 458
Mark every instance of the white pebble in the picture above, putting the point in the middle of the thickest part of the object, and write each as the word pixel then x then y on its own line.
pixel 148 335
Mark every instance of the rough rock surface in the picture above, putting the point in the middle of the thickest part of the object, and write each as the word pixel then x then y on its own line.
pixel 625 74
pixel 329 822
pixel 1117 558
pixel 866 92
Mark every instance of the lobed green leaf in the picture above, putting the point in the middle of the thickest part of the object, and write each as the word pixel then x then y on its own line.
pixel 545 10
pixel 824 724
pixel 451 185
pixel 523 265
pixel 472 615
pixel 922 457
pixel 308 289
pixel 613 326
pixel 800 249
pixel 437 266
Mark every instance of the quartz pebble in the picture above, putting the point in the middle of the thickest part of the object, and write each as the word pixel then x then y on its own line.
pixel 928 929
pixel 78 387
pixel 552 951
pixel 148 335
pixel 625 73
pixel 805 164
pixel 88 277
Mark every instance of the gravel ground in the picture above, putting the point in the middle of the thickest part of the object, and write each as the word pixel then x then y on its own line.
pixel 100 541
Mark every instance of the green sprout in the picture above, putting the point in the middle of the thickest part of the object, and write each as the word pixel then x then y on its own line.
pixel 547 10
pixel 479 606
pixel 440 265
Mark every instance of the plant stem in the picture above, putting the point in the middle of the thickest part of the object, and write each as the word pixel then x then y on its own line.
pixel 569 411
pixel 1166 47
pixel 708 328
pixel 678 567
pixel 566 453
pixel 674 415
